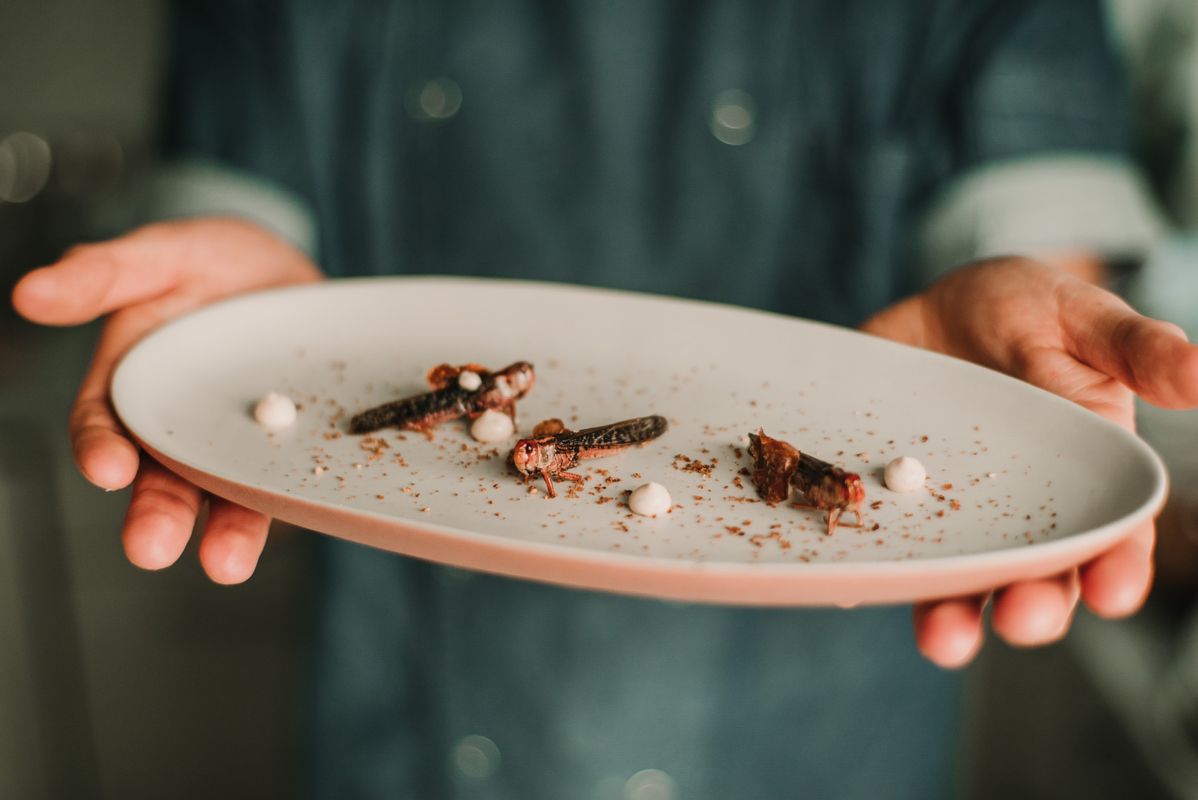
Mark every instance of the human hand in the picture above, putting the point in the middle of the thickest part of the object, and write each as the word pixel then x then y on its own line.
pixel 1072 338
pixel 141 281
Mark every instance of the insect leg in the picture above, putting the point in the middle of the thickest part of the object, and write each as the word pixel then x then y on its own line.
pixel 856 524
pixel 548 483
pixel 422 427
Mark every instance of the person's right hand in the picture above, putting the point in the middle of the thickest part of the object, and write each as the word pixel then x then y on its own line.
pixel 141 281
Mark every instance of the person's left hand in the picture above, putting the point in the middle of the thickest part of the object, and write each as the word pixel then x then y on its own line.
pixel 1070 337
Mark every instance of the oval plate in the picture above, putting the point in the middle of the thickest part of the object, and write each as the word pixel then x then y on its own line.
pixel 1022 483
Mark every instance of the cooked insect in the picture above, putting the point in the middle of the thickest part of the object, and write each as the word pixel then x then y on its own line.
pixel 465 391
pixel 553 448
pixel 777 466
pixel 774 464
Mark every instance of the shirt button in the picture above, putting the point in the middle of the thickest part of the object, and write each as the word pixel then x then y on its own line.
pixel 25 161
pixel 650 784
pixel 732 113
pixel 476 756
pixel 436 101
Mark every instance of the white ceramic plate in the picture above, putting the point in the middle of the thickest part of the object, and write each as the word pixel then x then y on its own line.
pixel 1022 483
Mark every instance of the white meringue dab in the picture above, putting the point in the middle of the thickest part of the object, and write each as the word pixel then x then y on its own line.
pixel 469 380
pixel 492 426
pixel 905 474
pixel 275 411
pixel 650 500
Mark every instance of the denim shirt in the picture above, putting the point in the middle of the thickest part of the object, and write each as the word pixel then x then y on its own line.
pixel 773 154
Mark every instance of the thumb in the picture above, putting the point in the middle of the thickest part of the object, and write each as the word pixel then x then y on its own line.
pixel 95 279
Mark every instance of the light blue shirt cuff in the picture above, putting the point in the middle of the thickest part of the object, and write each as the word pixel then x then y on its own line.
pixel 1040 205
pixel 200 188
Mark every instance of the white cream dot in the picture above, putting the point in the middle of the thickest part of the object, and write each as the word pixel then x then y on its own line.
pixel 275 411
pixel 905 474
pixel 469 380
pixel 649 500
pixel 492 426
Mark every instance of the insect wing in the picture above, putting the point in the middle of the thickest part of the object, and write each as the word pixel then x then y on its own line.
pixel 811 469
pixel 617 434
pixel 409 410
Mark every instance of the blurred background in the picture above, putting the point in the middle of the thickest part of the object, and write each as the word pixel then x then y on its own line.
pixel 113 682
pixel 121 683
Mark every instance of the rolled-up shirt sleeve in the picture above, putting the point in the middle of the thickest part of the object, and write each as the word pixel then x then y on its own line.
pixel 200 187
pixel 1042 160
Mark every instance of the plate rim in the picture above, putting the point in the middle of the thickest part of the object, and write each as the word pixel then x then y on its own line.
pixel 1020 557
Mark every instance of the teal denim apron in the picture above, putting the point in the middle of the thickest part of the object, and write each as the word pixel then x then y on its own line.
pixel 771 154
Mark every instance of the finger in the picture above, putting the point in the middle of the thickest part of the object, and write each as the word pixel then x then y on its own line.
pixel 902 322
pixel 1116 583
pixel 95 279
pixel 1036 612
pixel 231 255
pixel 232 542
pixel 949 632
pixel 161 515
pixel 103 451
pixel 1151 357
pixel 1059 372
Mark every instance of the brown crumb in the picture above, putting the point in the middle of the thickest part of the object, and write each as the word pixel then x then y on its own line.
pixel 685 463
